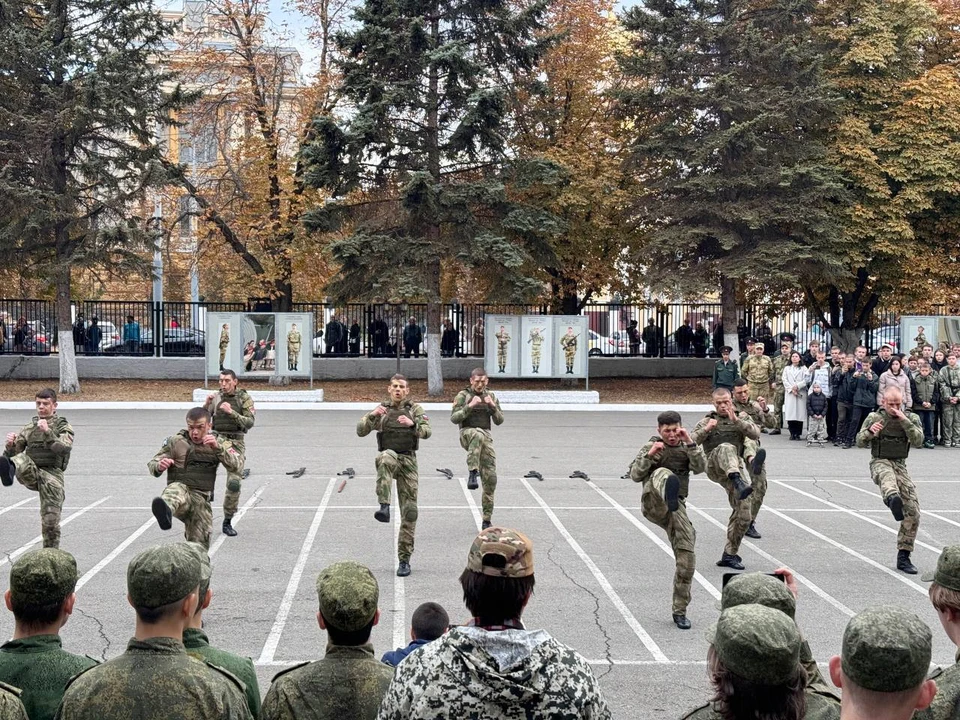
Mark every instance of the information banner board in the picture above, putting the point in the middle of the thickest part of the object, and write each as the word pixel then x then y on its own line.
pixel 571 343
pixel 536 346
pixel 502 338
pixel 259 344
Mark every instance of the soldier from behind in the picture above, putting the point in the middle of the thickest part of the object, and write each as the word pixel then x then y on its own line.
pixel 763 416
pixel 493 667
pixel 41 598
pixel 155 678
pixel 400 424
pixel 722 434
pixel 37 456
pixel 945 597
pixel 430 621
pixel 890 433
pixel 883 664
pixel 10 706
pixel 474 409
pixel 197 643
pixel 349 682
pixel 233 416
pixel 664 465
pixel 190 459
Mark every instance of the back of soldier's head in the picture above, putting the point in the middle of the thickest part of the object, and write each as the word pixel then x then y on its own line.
pixel 760 589
pixel 40 583
pixel 498 580
pixel 160 578
pixel 430 621
pixel 945 581
pixel 348 594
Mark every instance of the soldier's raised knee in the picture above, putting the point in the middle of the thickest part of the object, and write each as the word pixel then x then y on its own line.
pixel 410 513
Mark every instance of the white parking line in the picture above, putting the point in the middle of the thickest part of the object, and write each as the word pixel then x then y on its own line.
pixel 16 505
pixel 474 510
pixel 87 576
pixel 11 557
pixel 273 639
pixel 238 517
pixel 628 616
pixel 924 512
pixel 399 590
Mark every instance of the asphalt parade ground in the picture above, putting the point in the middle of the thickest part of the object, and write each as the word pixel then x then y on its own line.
pixel 603 572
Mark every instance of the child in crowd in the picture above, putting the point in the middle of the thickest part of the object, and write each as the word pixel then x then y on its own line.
pixel 816 414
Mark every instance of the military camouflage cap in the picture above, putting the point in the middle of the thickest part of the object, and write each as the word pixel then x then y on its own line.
pixel 886 649
pixel 757 643
pixel 760 589
pixel 41 577
pixel 348 594
pixel 206 570
pixel 947 574
pixel 162 575
pixel 512 545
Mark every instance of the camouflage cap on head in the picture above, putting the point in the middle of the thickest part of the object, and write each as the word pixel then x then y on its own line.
pixel 947 574
pixel 41 577
pixel 757 643
pixel 206 570
pixel 760 589
pixel 348 594
pixel 162 575
pixel 886 649
pixel 512 545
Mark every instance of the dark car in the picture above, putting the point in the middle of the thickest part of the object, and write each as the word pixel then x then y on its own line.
pixel 177 342
pixel 36 341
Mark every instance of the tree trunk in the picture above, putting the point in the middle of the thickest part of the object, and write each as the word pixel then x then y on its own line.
pixel 69 380
pixel 728 314
pixel 847 339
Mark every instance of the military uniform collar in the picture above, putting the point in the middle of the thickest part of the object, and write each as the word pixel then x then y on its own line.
pixel 401 405
pixel 194 638
pixel 160 645
pixel 34 644
pixel 347 652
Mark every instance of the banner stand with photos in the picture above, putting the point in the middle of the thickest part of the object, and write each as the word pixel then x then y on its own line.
pixel 259 345
pixel 537 346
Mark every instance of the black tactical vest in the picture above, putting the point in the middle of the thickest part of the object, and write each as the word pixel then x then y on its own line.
pixel 199 471
pixel 891 443
pixel 224 423
pixel 676 460
pixel 726 431
pixel 41 454
pixel 393 435
pixel 478 417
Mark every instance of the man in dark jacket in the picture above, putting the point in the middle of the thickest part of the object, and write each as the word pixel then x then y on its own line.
pixel 864 400
pixel 651 339
pixel 844 385
pixel 430 621
pixel 412 337
pixel 332 335
pixel 882 362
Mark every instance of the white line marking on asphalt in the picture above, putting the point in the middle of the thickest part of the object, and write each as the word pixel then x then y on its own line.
pixel 924 512
pixel 474 510
pixel 11 557
pixel 657 540
pixel 628 616
pixel 87 576
pixel 817 590
pixel 273 639
pixel 16 505
pixel 237 518
pixel 399 589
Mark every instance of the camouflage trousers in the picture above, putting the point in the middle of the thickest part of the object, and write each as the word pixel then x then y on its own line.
pixel 950 423
pixel 679 531
pixel 50 488
pixel 758 390
pixel 231 498
pixel 779 398
pixel 193 508
pixel 535 359
pixel 480 456
pixel 402 468
pixel 759 481
pixel 569 358
pixel 722 461
pixel 892 477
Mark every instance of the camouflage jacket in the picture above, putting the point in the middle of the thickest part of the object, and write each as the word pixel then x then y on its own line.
pixel 946 703
pixel 496 675
pixel 10 706
pixel 643 465
pixel 237 423
pixel 757 369
pixel 50 450
pixel 370 422
pixel 820 706
pixel 41 668
pixel 198 644
pixel 460 410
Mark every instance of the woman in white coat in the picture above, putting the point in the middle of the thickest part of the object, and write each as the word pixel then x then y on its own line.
pixel 796 379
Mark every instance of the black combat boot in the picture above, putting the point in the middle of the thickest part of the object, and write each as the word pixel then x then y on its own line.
pixel 383 514
pixel 904 564
pixel 7 471
pixel 681 621
pixel 730 561
pixel 228 528
pixel 403 569
pixel 756 465
pixel 740 486
pixel 895 503
pixel 161 511
pixel 472 483
pixel 775 431
pixel 485 524
pixel 671 492
pixel 752 532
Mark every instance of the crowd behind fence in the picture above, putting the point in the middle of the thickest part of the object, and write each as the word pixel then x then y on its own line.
pixel 177 329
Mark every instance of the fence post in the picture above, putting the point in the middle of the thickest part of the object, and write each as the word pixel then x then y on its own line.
pixel 158 329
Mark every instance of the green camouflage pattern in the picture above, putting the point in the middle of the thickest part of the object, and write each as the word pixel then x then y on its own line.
pixel 819 707
pixel 947 573
pixel 224 343
pixel 569 345
pixel 536 348
pixel 947 699
pixel 348 595
pixel 347 684
pixel 234 427
pixel 750 446
pixel 10 706
pixel 41 668
pixel 50 487
pixel 188 460
pixel 680 533
pixel 515 548
pixel 722 461
pixel 886 649
pixel 162 575
pixel 757 371
pixel 758 643
pixel 198 644
pixel 40 577
pixel 779 397
pixel 154 679
pixel 48 450
pixel 479 444
pixel 503 342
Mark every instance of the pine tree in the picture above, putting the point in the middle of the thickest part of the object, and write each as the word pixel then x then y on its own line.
pixel 80 105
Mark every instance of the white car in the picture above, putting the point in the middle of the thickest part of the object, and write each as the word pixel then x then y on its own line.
pixel 602 345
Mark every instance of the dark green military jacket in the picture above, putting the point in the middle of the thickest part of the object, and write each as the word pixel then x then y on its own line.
pixel 347 684
pixel 197 643
pixel 946 703
pixel 154 679
pixel 820 706
pixel 10 706
pixel 41 668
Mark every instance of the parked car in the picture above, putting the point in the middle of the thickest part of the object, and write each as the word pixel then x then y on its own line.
pixel 885 334
pixel 602 345
pixel 176 342
pixel 37 341
pixel 109 334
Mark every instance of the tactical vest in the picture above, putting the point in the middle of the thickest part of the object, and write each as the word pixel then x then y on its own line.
pixel 750 409
pixel 224 423
pixel 891 443
pixel 676 460
pixel 393 435
pixel 41 454
pixel 477 417
pixel 199 470
pixel 726 431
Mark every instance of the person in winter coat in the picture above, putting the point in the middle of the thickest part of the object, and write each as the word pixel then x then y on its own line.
pixel 895 376
pixel 817 404
pixel 864 400
pixel 925 390
pixel 795 380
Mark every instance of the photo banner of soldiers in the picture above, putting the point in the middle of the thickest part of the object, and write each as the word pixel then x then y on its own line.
pixel 222 342
pixel 536 346
pixel 571 343
pixel 294 355
pixel 917 331
pixel 259 344
pixel 501 355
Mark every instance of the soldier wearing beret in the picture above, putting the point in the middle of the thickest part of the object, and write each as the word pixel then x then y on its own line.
pixel 349 682
pixel 190 458
pixel 882 666
pixel 155 679
pixel 197 643
pixel 945 598
pixel 37 456
pixel 725 371
pixel 41 598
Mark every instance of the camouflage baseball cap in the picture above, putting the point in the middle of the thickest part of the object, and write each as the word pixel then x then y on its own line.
pixel 206 570
pixel 512 545
pixel 162 575
pixel 41 577
pixel 886 649
pixel 760 589
pixel 348 594
pixel 757 643
pixel 947 574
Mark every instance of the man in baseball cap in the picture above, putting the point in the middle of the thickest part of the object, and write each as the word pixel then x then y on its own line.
pixel 945 596
pixel 492 664
pixel 883 664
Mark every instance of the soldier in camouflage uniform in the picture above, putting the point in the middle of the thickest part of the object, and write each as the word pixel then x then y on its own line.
pixel 776 377
pixel 664 465
pixel 503 342
pixel 294 341
pixel 722 434
pixel 473 410
pixel 882 666
pixel 536 342
pixel 349 682
pixel 400 425
pixel 37 456
pixel 493 667
pixel 155 679
pixel 190 459
pixel 890 433
pixel 569 344
pixel 233 416
pixel 754 456
pixel 945 598
pixel 758 370
pixel 224 343
pixel 42 597
pixel 10 706
pixel 950 402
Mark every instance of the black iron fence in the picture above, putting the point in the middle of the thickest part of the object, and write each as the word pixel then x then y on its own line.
pixel 177 329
